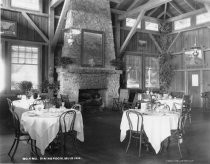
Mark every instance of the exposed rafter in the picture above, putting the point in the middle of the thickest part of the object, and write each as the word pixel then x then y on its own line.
pixel 60 23
pixel 31 22
pixel 189 4
pixel 165 10
pixel 202 10
pixel 132 5
pixel 176 7
pixel 147 6
pixel 132 31
pixel 55 3
pixel 119 4
pixel 152 11
pixel 156 43
pixel 169 14
pixel 160 15
pixel 116 1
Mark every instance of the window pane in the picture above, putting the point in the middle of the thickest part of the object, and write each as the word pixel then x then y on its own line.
pixel 151 26
pixel 24 72
pixel 180 24
pixel 23 66
pixel 130 22
pixel 134 71
pixel 203 18
pixel 151 72
pixel 26 4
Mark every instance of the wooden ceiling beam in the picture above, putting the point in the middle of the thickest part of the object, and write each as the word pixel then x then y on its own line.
pixel 176 7
pixel 132 5
pixel 169 14
pixel 156 43
pixel 147 6
pixel 174 40
pixel 116 1
pixel 60 23
pixel 165 10
pixel 152 11
pixel 55 3
pixel 31 22
pixel 119 4
pixel 132 31
pixel 120 12
pixel 189 4
pixel 160 15
pixel 200 11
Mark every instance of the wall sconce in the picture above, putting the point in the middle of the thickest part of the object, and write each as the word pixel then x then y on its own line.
pixel 142 43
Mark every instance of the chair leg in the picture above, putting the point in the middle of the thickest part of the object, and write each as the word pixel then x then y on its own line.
pixel 179 150
pixel 128 143
pixel 140 146
pixel 17 143
pixel 13 144
pixel 74 144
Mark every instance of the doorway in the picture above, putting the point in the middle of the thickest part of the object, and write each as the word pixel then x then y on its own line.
pixel 194 88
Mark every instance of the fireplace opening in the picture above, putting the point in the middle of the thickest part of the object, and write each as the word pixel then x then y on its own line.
pixel 91 100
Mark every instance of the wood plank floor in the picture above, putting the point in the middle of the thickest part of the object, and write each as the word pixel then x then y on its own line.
pixel 102 144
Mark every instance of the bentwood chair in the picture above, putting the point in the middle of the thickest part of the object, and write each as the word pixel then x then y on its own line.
pixel 66 128
pixel 68 104
pixel 20 134
pixel 36 103
pixel 177 135
pixel 135 120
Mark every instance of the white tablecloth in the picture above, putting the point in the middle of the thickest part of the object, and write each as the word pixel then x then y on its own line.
pixel 21 106
pixel 172 102
pixel 44 127
pixel 157 127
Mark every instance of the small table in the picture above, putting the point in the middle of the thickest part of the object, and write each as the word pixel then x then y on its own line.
pixel 43 126
pixel 157 126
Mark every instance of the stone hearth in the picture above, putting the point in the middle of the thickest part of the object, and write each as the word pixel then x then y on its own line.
pixel 91 15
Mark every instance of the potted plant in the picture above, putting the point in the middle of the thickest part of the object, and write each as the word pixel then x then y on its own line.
pixel 25 88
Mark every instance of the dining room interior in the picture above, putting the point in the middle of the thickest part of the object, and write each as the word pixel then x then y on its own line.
pixel 105 81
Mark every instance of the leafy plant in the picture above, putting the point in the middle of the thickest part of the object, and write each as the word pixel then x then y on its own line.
pixel 64 61
pixel 118 63
pixel 25 86
pixel 46 85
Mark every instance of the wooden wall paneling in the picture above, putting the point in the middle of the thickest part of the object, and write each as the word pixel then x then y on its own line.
pixel 206 80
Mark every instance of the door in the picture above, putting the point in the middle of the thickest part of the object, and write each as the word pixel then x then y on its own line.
pixel 194 88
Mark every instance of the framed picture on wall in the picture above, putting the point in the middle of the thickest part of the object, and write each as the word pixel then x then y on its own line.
pixel 8 28
pixel 194 59
pixel 92 48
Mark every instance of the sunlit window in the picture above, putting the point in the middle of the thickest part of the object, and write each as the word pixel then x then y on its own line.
pixel 24 65
pixel 151 26
pixel 151 72
pixel 183 23
pixel 134 71
pixel 2 71
pixel 203 18
pixel 130 22
pixel 26 4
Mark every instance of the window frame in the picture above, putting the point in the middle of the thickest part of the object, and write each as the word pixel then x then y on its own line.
pixel 190 20
pixel 10 62
pixel 143 67
pixel 25 9
pixel 196 18
pixel 151 22
pixel 140 23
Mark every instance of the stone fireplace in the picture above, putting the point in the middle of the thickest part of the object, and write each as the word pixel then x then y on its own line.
pixel 91 15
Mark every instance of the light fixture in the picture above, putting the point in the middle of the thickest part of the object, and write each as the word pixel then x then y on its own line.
pixel 195 49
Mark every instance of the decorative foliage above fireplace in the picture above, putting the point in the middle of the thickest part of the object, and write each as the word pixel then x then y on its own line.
pixel 92 48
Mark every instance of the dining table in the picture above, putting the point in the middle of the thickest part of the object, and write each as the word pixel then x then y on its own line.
pixel 157 126
pixel 43 124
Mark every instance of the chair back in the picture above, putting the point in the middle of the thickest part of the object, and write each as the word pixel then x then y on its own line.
pixel 67 103
pixel 77 107
pixel 39 103
pixel 10 104
pixel 66 121
pixel 135 120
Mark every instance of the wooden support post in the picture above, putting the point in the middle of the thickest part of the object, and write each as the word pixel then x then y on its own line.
pixel 117 36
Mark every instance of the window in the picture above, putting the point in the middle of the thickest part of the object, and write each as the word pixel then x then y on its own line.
pixel 151 72
pixel 203 18
pixel 134 71
pixel 130 22
pixel 151 26
pixel 24 65
pixel 26 4
pixel 2 70
pixel 180 24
